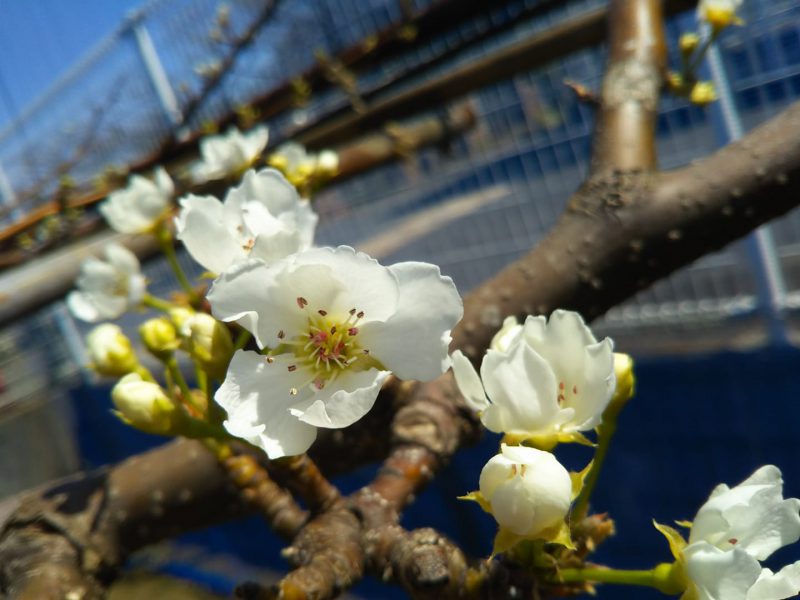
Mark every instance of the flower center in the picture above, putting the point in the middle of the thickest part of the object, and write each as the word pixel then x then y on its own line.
pixel 328 345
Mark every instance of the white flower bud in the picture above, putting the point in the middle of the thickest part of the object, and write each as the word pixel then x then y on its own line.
pixel 111 351
pixel 528 490
pixel 144 405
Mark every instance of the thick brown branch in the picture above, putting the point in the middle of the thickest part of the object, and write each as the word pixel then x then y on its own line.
pixel 626 121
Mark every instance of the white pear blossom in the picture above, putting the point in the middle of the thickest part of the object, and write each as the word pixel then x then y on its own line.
pixel 261 218
pixel 336 323
pixel 229 154
pixel 546 380
pixel 734 530
pixel 143 405
pixel 138 207
pixel 719 13
pixel 106 289
pixel 110 350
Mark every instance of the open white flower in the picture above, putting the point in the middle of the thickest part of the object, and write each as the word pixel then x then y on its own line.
pixel 719 13
pixel 547 383
pixel 262 218
pixel 229 154
pixel 138 207
pixel 106 289
pixel 336 323
pixel 734 530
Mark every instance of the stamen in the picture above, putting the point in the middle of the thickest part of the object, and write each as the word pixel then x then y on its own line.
pixel 513 469
pixel 292 368
pixel 574 389
pixel 293 391
pixel 360 315
pixel 333 330
pixel 281 334
pixel 352 331
pixel 352 311
pixel 322 312
pixel 302 302
pixel 269 359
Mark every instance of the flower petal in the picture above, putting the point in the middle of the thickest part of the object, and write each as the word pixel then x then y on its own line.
pixel 256 396
pixel 512 507
pixel 720 575
pixel 414 341
pixel 777 586
pixel 469 382
pixel 752 516
pixel 345 401
pixel 201 227
pixel 522 389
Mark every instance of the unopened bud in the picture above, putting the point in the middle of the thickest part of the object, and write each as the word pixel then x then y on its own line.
pixel 328 163
pixel 623 369
pixel 688 43
pixel 110 351
pixel 144 405
pixel 703 93
pixel 210 343
pixel 159 337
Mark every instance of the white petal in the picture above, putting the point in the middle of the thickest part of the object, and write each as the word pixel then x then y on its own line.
pixel 164 182
pixel 201 227
pixel 469 383
pixel 344 401
pixel 494 473
pixel 80 306
pixel 370 286
pixel 522 389
pixel 268 187
pixel 122 259
pixel 263 298
pixel 512 507
pixel 414 341
pixel 752 516
pixel 777 586
pixel 595 387
pixel 720 575
pixel 256 395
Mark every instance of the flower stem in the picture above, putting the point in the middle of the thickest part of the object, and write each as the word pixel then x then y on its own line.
pixel 144 373
pixel 157 303
pixel 605 433
pixel 700 53
pixel 665 577
pixel 164 239
pixel 174 370
pixel 605 575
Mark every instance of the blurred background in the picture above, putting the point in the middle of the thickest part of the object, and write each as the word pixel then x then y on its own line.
pixel 94 90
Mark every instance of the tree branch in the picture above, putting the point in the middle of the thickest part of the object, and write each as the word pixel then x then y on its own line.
pixel 626 121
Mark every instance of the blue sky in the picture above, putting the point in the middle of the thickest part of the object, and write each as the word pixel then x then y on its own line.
pixel 40 39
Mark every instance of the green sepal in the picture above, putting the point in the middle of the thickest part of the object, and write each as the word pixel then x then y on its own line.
pixel 675 539
pixel 578 479
pixel 478 497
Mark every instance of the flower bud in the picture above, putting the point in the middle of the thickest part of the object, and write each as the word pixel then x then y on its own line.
pixel 688 43
pixel 111 351
pixel 179 315
pixel 507 335
pixel 328 163
pixel 623 370
pixel 159 337
pixel 528 491
pixel 703 93
pixel 210 343
pixel 144 405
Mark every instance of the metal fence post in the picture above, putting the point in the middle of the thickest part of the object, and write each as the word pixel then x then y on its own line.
pixel 760 244
pixel 155 70
pixel 8 196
